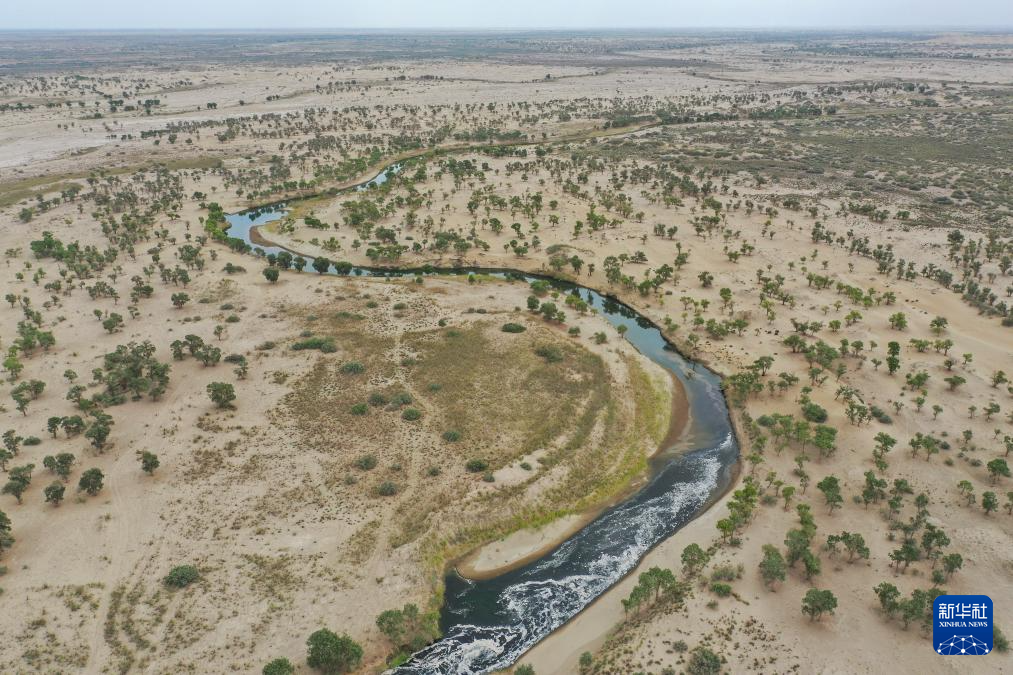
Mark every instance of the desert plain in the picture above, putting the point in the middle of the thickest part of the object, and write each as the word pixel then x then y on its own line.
pixel 210 453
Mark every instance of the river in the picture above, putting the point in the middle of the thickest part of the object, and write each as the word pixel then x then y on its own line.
pixel 488 625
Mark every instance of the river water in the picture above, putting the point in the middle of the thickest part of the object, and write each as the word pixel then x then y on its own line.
pixel 489 624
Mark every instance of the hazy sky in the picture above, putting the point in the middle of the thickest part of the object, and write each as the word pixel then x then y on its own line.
pixel 501 13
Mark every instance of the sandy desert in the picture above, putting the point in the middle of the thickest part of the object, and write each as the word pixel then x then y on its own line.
pixel 212 451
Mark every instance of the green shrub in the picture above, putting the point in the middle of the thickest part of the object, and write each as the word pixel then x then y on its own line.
pixel 360 409
pixel 451 436
pixel 403 398
pixel 703 662
pixel 550 353
pixel 721 589
pixel 279 667
pixel 814 413
pixel 366 462
pixel 330 653
pixel 411 414
pixel 181 576
pixel 476 465
pixel 513 328
pixel 387 489
pixel 377 399
pixel 879 415
pixel 352 368
pixel 324 344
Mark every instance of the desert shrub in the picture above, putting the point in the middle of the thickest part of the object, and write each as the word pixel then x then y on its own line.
pixel 365 462
pixel 513 328
pixel 724 573
pixel 549 353
pixel 476 465
pixel 280 666
pixel 411 415
pixel 387 489
pixel 814 413
pixel 879 415
pixel 32 440
pixel 703 662
pixel 451 436
pixel 360 409
pixel 181 576
pixel 324 344
pixel 330 653
pixel 376 399
pixel 403 398
pixel 721 589
pixel 352 368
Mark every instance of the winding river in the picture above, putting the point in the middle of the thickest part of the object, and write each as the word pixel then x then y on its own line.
pixel 489 624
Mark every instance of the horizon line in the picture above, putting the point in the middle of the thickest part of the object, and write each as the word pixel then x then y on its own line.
pixel 653 29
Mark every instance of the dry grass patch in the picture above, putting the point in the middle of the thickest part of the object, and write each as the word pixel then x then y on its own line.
pixel 504 399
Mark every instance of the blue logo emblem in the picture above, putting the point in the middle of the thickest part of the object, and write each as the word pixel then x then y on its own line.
pixel 962 625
